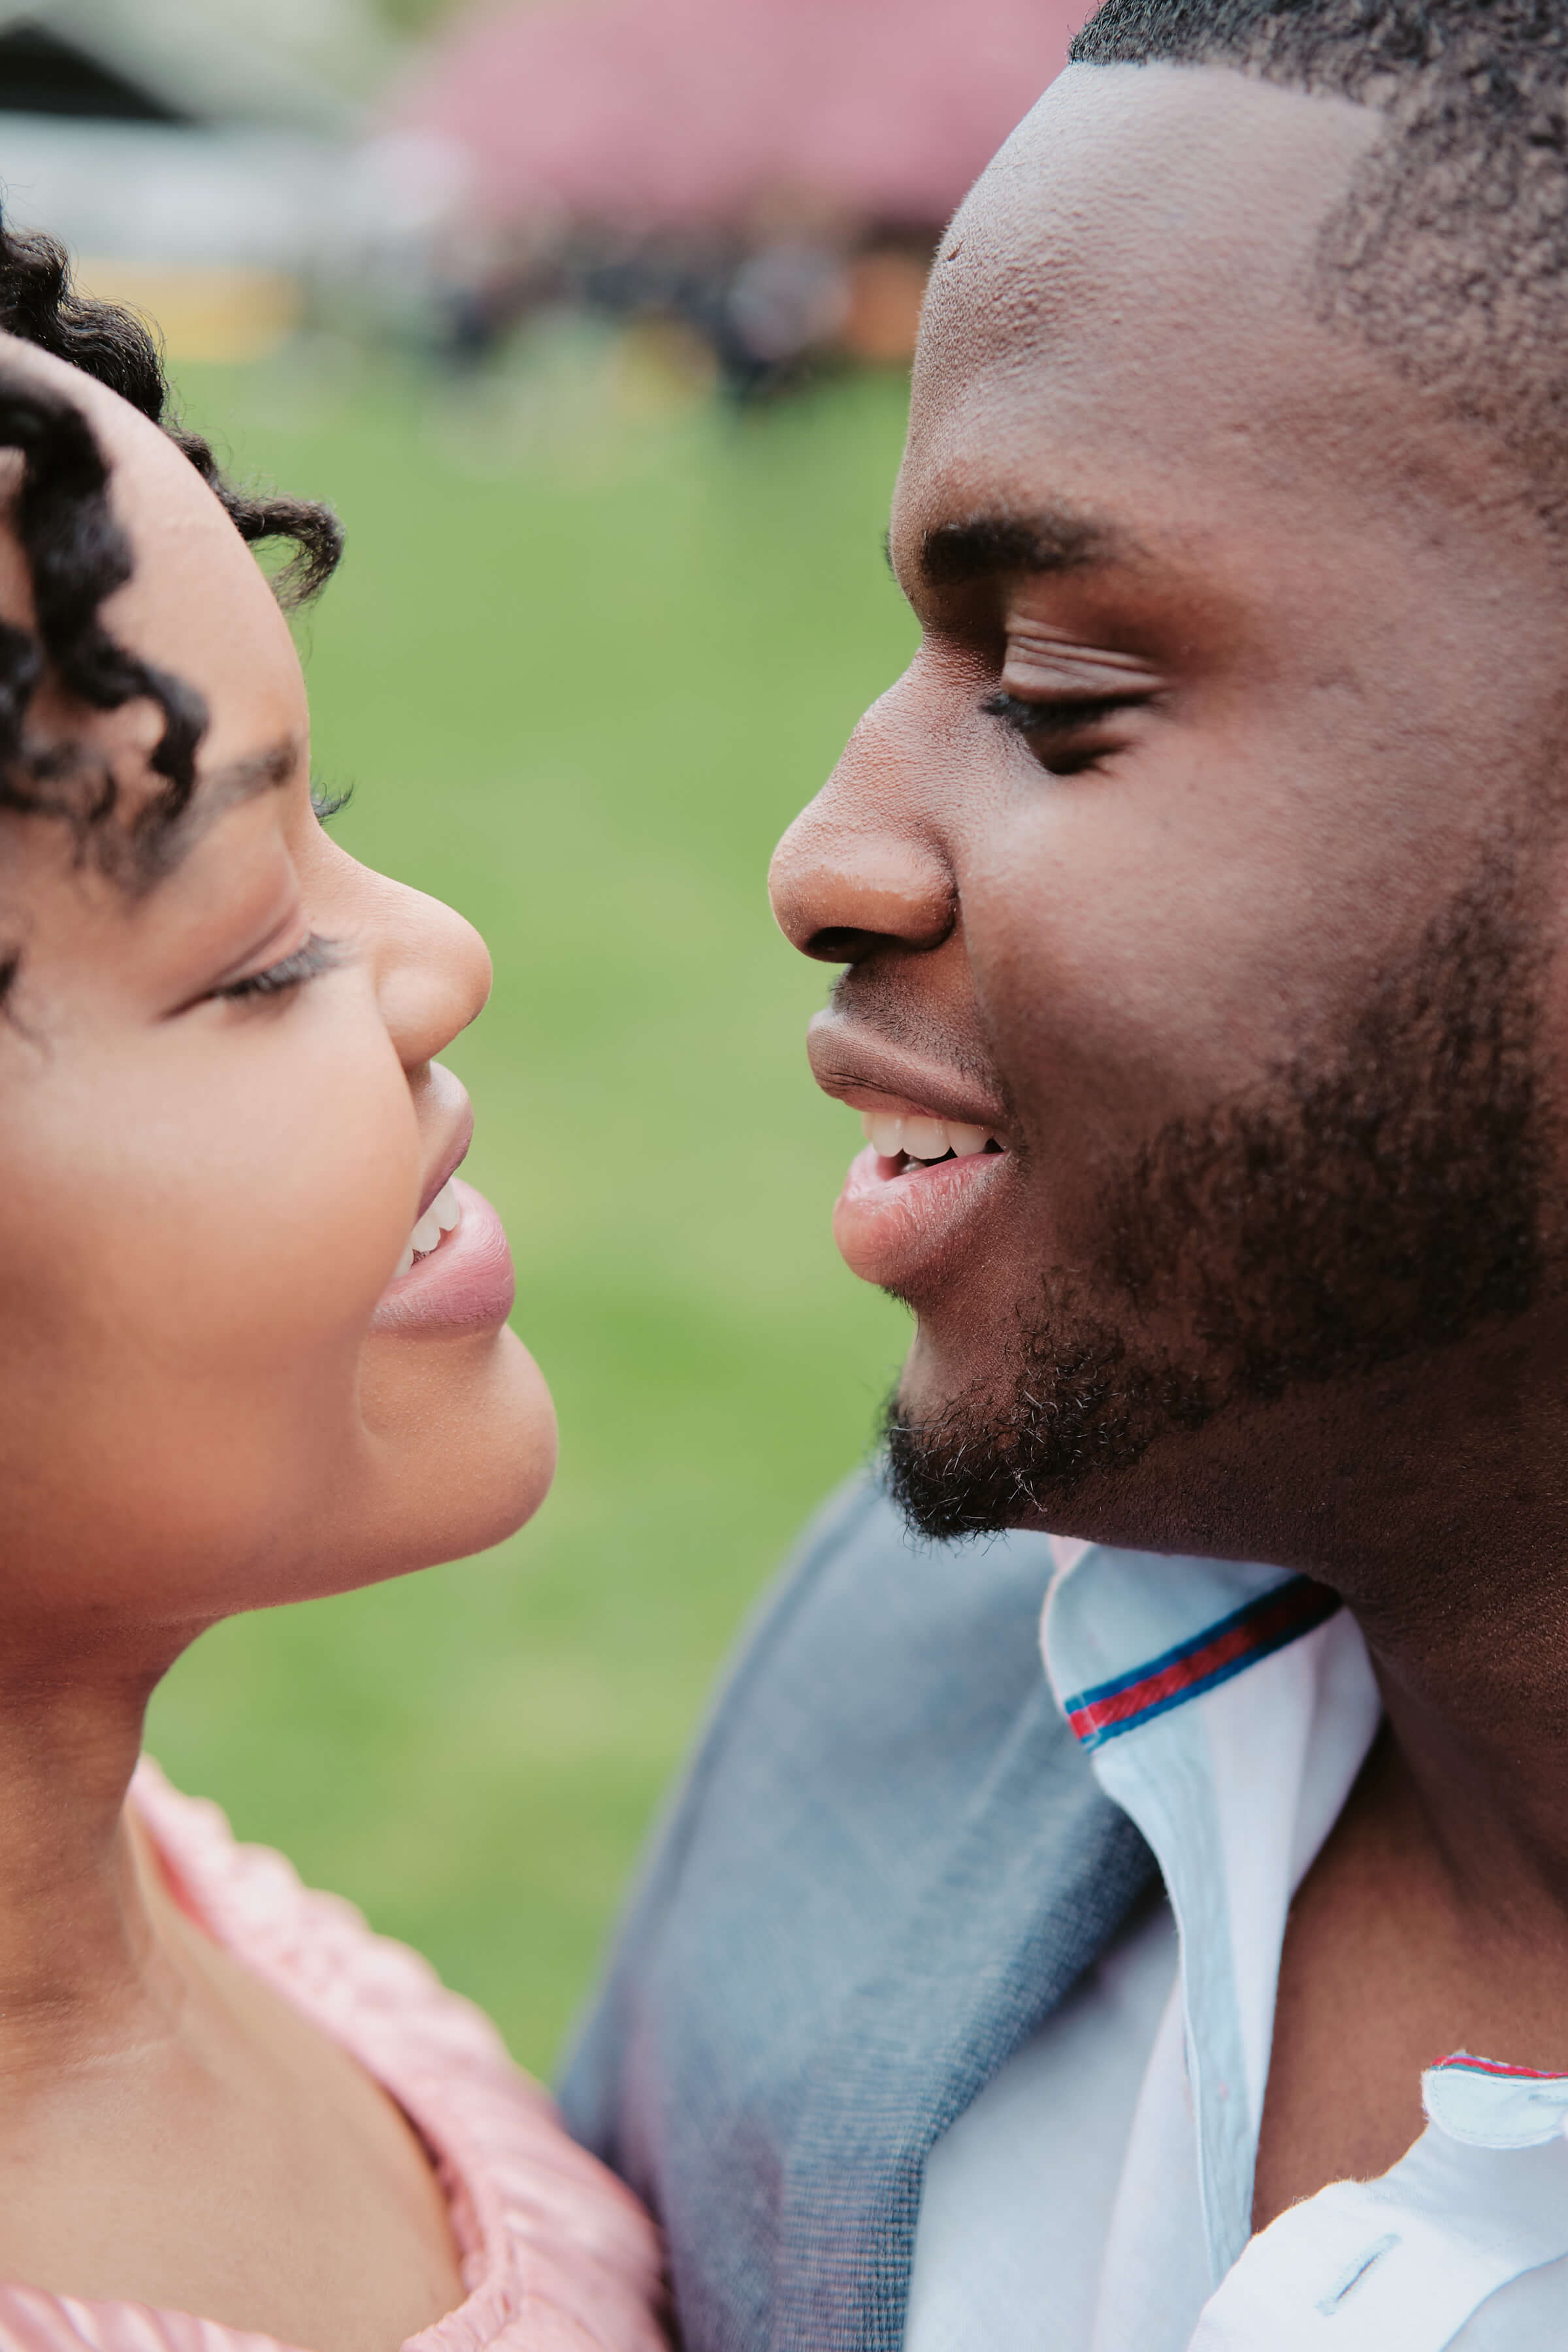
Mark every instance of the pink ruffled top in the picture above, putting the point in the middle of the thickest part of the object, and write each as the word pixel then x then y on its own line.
pixel 556 2255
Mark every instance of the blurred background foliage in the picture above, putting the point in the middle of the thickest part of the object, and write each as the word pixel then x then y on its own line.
pixel 412 15
pixel 588 654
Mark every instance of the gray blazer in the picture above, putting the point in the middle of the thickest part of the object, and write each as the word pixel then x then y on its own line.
pixel 887 1865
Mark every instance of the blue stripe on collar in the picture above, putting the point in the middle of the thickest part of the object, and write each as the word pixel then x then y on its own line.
pixel 1252 1632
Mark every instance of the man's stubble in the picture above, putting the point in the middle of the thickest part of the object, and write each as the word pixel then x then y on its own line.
pixel 1364 1206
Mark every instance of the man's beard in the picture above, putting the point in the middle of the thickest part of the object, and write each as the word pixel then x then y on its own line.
pixel 1369 1206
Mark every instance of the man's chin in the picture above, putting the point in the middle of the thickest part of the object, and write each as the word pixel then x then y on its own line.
pixel 952 1477
pixel 953 1465
pixel 1052 1439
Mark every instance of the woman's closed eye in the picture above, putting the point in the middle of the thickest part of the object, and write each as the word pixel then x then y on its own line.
pixel 308 961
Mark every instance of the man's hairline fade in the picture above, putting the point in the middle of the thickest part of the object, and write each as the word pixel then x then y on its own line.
pixel 1448 253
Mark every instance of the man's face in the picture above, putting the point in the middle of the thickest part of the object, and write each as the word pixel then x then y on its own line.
pixel 1203 856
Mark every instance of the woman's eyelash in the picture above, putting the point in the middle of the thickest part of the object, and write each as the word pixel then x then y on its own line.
pixel 306 963
pixel 326 803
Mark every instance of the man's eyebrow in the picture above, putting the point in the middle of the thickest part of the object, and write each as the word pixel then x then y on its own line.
pixel 1055 539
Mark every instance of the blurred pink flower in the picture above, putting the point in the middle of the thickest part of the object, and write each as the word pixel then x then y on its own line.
pixel 680 112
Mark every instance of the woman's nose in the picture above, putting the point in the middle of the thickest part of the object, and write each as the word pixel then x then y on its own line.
pixel 434 974
pixel 849 877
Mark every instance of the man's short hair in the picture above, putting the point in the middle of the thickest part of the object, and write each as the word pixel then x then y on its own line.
pixel 1450 254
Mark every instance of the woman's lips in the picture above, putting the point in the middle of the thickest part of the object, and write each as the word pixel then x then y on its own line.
pixel 893 1217
pixel 466 1284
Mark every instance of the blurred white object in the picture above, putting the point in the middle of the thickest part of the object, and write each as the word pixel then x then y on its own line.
pixel 163 193
pixel 204 159
pixel 299 65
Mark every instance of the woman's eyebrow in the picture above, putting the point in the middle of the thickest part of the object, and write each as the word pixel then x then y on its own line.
pixel 162 848
pixel 252 773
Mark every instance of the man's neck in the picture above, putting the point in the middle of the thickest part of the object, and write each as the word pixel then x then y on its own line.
pixel 1434 1920
pixel 1435 1917
pixel 1431 1498
pixel 1476 1693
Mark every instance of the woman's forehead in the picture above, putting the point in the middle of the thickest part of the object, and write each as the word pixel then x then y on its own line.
pixel 197 603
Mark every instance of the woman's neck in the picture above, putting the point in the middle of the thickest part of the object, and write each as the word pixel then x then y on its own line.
pixel 78 1940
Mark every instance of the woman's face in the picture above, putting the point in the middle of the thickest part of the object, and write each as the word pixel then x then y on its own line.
pixel 221 1117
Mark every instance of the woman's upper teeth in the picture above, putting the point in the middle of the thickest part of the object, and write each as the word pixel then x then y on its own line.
pixel 440 1218
pixel 921 1137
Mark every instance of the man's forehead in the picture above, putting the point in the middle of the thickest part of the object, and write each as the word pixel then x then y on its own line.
pixel 1128 292
pixel 1169 163
pixel 1164 201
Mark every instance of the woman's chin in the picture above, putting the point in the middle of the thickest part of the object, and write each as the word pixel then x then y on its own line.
pixel 508 1450
pixel 533 1436
pixel 464 1431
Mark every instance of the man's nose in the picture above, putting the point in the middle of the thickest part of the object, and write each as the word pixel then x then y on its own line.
pixel 855 872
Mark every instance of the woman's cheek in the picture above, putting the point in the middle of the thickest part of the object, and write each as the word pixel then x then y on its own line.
pixel 306 1219
pixel 239 1208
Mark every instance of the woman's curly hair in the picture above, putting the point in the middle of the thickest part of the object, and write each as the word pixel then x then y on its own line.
pixel 79 554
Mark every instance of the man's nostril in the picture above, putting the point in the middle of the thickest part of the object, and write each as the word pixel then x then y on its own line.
pixel 887 894
pixel 839 944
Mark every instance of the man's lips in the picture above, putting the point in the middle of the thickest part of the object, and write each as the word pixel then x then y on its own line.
pixel 897 1214
pixel 894 1218
pixel 861 1069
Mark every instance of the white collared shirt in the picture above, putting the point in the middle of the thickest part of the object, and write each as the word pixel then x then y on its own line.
pixel 1098 2195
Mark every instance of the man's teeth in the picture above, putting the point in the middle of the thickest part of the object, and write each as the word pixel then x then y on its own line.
pixel 440 1218
pixel 923 1138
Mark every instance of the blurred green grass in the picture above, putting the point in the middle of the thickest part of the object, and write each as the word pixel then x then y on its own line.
pixel 582 664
